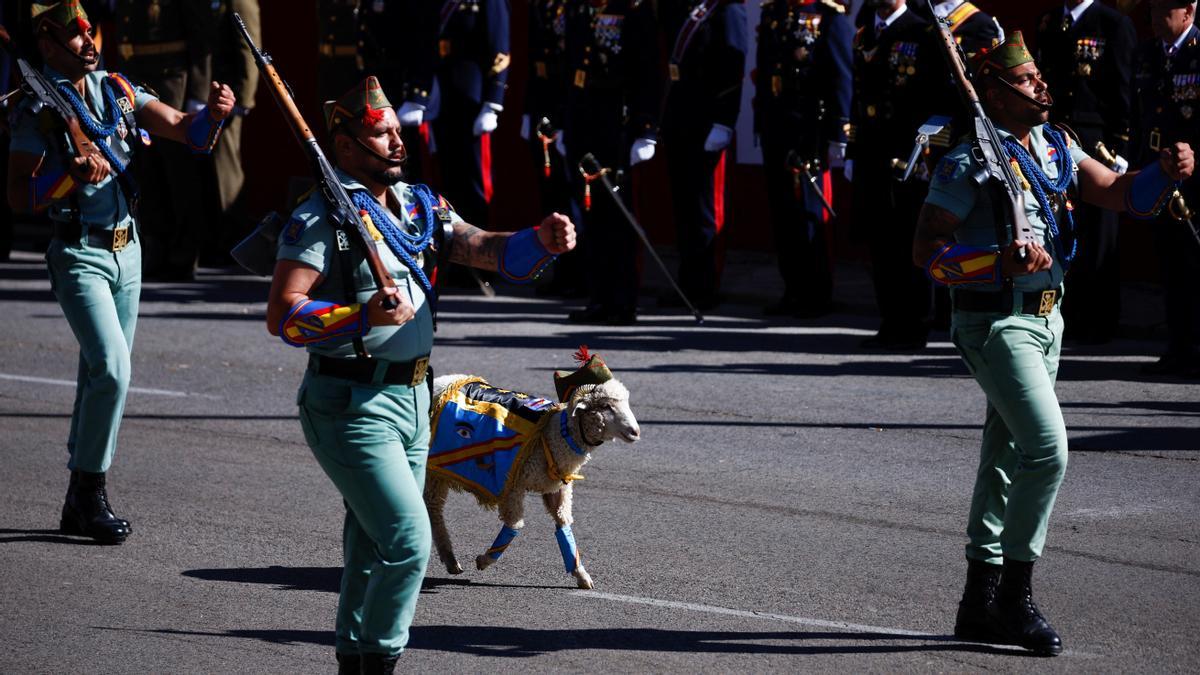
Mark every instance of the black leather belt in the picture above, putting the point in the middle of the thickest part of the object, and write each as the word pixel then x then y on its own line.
pixel 411 373
pixel 1037 303
pixel 112 240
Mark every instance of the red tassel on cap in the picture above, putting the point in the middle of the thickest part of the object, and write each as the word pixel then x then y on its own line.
pixel 371 116
pixel 84 26
pixel 582 355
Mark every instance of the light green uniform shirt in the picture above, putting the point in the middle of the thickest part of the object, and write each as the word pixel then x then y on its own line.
pixel 101 205
pixel 309 238
pixel 952 189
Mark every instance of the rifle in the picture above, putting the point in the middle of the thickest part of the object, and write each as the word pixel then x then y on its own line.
pixel 35 84
pixel 342 211
pixel 986 148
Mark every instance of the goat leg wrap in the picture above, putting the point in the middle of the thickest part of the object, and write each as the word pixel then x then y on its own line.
pixel 566 546
pixel 524 257
pixel 959 264
pixel 202 132
pixel 311 321
pixel 1148 192
pixel 506 536
pixel 49 187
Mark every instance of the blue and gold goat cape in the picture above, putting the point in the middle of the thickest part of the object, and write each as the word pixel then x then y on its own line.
pixel 478 433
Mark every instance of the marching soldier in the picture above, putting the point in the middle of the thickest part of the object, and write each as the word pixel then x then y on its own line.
pixel 542 124
pixel 165 45
pixel 233 64
pixel 802 113
pixel 1008 328
pixel 326 299
pixel 95 256
pixel 612 113
pixel 1085 50
pixel 472 75
pixel 893 63
pixel 706 65
pixel 1167 111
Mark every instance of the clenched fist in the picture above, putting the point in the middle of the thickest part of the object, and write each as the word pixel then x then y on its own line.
pixel 557 233
pixel 220 101
pixel 1178 161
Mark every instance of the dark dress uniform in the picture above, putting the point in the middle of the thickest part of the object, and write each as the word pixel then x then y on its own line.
pixel 1166 104
pixel 612 101
pixel 472 71
pixel 893 96
pixel 166 45
pixel 545 108
pixel 341 54
pixel 1088 64
pixel 802 104
pixel 707 62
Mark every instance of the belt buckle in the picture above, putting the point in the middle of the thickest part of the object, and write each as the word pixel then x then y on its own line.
pixel 1047 304
pixel 420 367
pixel 120 239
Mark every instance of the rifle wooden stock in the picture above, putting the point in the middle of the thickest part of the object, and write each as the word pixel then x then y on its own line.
pixel 342 210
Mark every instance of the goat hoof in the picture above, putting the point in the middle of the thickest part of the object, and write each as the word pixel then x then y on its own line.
pixel 454 568
pixel 482 562
pixel 583 580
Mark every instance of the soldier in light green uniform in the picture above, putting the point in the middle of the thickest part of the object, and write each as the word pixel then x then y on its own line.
pixel 95 256
pixel 165 46
pixel 364 402
pixel 1007 327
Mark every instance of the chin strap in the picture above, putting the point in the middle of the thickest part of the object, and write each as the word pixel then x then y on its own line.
pixel 1014 89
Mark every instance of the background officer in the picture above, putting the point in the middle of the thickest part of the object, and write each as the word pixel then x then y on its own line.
pixel 233 64
pixel 802 113
pixel 1167 111
pixel 971 27
pixel 612 113
pixel 166 45
pixel 341 41
pixel 894 61
pixel 706 66
pixel 1085 50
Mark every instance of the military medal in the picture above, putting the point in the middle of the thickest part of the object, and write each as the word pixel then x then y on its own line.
pixel 580 78
pixel 674 71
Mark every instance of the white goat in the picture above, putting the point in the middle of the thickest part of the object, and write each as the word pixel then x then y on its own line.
pixel 595 413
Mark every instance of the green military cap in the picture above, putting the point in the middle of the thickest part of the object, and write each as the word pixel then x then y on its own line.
pixel 59 14
pixel 591 371
pixel 364 102
pixel 999 58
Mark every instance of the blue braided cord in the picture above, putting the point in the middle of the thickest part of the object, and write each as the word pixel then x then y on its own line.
pixel 95 131
pixel 566 434
pixel 406 246
pixel 1039 183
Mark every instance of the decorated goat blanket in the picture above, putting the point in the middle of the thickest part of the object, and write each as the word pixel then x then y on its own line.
pixel 479 433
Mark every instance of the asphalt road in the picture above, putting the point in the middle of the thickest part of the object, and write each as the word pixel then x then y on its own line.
pixel 796 504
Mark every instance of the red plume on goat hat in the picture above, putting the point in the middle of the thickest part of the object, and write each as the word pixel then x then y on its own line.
pixel 591 371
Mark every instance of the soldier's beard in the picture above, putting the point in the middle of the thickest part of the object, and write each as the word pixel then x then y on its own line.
pixel 388 176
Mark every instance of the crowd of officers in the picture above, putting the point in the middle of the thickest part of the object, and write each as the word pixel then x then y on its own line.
pixel 838 87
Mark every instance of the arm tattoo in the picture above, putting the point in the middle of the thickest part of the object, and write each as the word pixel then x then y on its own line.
pixel 474 247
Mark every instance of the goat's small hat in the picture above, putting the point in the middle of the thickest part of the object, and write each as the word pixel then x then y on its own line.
pixel 591 371
pixel 364 103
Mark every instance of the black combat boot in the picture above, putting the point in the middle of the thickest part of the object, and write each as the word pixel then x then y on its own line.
pixel 975 622
pixel 71 488
pixel 349 664
pixel 1017 614
pixel 86 511
pixel 378 664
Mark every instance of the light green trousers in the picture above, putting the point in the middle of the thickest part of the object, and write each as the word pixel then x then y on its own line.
pixel 1024 452
pixel 98 291
pixel 372 441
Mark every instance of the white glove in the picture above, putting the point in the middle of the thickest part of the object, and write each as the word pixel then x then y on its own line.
pixel 411 114
pixel 718 139
pixel 1120 165
pixel 836 157
pixel 192 105
pixel 848 170
pixel 642 150
pixel 488 120
pixel 525 124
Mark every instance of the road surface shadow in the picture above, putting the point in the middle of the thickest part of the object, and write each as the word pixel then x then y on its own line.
pixel 325 579
pixel 8 536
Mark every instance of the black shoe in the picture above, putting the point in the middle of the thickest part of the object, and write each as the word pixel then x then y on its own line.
pixel 812 310
pixel 87 512
pixel 378 664
pixel 349 664
pixel 786 306
pixel 1018 616
pixel 701 301
pixel 604 316
pixel 974 622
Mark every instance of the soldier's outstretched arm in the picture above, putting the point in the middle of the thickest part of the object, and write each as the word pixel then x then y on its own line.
pixel 198 130
pixel 1141 193
pixel 517 256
